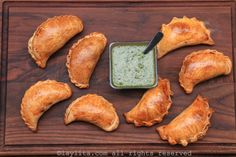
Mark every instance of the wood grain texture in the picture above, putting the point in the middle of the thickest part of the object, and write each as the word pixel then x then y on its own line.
pixel 1 108
pixel 119 21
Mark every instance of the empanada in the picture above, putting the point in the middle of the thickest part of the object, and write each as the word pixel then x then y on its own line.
pixel 83 57
pixel 190 125
pixel 153 106
pixel 51 35
pixel 203 65
pixel 39 98
pixel 182 32
pixel 93 109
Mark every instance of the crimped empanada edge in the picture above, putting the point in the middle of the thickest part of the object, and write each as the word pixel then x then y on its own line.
pixel 185 142
pixel 142 123
pixel 68 58
pixel 156 120
pixel 31 50
pixel 210 41
pixel 23 116
pixel 205 128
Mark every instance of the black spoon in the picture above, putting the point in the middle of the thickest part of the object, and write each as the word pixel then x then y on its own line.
pixel 153 42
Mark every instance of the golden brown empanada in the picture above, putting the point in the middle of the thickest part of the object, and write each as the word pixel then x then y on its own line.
pixel 182 32
pixel 51 35
pixel 153 106
pixel 93 109
pixel 83 57
pixel 39 98
pixel 191 125
pixel 203 65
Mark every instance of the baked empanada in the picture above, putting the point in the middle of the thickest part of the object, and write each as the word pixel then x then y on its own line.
pixel 182 32
pixel 83 57
pixel 190 125
pixel 153 106
pixel 93 109
pixel 51 35
pixel 203 65
pixel 39 98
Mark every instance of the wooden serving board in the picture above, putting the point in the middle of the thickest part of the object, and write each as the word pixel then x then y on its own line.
pixel 119 21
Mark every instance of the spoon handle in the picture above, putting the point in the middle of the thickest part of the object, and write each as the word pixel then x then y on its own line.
pixel 153 42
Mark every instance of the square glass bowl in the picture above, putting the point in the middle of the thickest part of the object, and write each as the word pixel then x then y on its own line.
pixel 130 68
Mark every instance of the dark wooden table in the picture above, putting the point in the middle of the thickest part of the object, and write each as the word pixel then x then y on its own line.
pixel 119 21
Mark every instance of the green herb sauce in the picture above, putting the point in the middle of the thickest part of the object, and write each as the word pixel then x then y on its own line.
pixel 132 68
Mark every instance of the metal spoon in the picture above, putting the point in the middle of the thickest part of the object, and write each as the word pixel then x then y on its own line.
pixel 153 42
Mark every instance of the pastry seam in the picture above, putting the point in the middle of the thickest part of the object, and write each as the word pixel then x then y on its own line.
pixel 80 85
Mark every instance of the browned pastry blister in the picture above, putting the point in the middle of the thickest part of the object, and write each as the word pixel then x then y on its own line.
pixel 39 98
pixel 93 109
pixel 153 106
pixel 51 35
pixel 190 125
pixel 182 32
pixel 203 65
pixel 83 57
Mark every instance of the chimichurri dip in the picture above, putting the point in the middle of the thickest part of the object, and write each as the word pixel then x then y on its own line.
pixel 130 68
